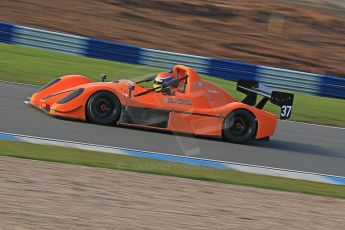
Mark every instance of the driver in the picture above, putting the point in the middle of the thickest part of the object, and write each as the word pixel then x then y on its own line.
pixel 161 78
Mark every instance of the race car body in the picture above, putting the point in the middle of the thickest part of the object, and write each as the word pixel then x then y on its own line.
pixel 186 104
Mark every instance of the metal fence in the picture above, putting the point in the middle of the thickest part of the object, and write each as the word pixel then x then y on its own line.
pixel 326 86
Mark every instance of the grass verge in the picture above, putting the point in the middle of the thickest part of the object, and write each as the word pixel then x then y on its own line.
pixel 128 163
pixel 36 66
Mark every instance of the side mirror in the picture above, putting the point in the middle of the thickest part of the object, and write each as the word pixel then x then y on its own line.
pixel 131 87
pixel 103 77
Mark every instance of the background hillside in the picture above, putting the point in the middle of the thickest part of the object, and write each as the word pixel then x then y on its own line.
pixel 306 35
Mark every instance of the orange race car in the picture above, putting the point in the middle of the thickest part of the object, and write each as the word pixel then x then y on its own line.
pixel 179 101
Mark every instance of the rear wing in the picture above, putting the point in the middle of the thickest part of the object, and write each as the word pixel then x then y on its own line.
pixel 253 88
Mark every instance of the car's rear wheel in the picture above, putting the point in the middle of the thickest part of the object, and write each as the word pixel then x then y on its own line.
pixel 239 126
pixel 103 108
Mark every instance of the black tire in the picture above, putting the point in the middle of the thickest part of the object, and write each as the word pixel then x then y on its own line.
pixel 103 108
pixel 239 126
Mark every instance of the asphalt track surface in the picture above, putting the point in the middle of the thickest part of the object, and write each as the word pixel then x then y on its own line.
pixel 295 146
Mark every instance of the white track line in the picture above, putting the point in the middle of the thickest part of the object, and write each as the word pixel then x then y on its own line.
pixel 311 124
pixel 19 83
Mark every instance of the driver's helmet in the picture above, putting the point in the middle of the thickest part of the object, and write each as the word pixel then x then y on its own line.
pixel 162 78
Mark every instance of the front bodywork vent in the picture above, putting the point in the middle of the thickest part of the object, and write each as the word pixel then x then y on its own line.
pixel 71 96
pixel 49 84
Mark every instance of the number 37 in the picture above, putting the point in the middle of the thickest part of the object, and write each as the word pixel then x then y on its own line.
pixel 286 111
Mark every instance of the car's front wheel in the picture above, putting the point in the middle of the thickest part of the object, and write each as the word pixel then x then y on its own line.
pixel 103 108
pixel 239 126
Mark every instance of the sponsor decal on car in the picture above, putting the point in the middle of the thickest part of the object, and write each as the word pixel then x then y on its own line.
pixel 177 100
pixel 212 91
